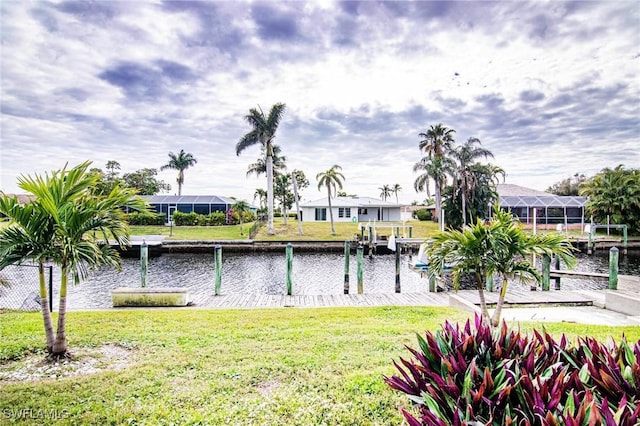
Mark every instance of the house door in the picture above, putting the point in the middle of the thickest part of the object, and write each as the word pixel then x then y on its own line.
pixel 321 214
pixel 172 209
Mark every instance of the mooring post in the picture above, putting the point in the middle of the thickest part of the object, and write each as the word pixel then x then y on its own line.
pixel 398 268
pixel 347 255
pixel 370 250
pixel 546 272
pixel 432 282
pixel 624 239
pixel 289 256
pixel 489 283
pixel 359 256
pixel 218 260
pixel 144 263
pixel 589 247
pixel 557 267
pixel 613 268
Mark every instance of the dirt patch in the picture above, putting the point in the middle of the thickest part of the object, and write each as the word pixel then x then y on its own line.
pixel 84 361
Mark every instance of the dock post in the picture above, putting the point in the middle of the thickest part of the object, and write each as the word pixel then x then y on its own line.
pixel 589 246
pixel 144 263
pixel 347 255
pixel 289 252
pixel 359 255
pixel 624 239
pixel 613 268
pixel 370 250
pixel 557 267
pixel 546 270
pixel 218 260
pixel 398 269
pixel 489 283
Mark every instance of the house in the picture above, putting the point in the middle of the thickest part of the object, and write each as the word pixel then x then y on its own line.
pixel 350 209
pixel 201 204
pixel 549 209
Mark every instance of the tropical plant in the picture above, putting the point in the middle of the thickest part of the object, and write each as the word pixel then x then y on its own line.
pixel 437 143
pixel 395 188
pixel 433 169
pixel 466 156
pixel 263 132
pixel 261 195
pixel 569 186
pixel 260 166
pixel 614 194
pixel 84 224
pixel 499 246
pixel 180 162
pixel 145 182
pixel 28 237
pixel 385 192
pixel 240 207
pixel 332 180
pixel 485 376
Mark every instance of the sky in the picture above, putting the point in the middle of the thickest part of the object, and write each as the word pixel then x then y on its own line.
pixel 550 88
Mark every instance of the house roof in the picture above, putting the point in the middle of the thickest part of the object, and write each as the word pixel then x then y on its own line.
pixel 350 202
pixel 520 196
pixel 187 199
pixel 23 198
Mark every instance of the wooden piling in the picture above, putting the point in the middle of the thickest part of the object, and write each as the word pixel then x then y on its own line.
pixel 359 256
pixel 613 268
pixel 289 256
pixel 144 263
pixel 398 268
pixel 218 261
pixel 546 272
pixel 347 256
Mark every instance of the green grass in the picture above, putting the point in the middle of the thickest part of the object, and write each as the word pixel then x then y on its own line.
pixel 249 367
pixel 231 232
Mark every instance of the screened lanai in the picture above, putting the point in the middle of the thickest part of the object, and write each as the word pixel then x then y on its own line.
pixel 202 204
pixel 549 209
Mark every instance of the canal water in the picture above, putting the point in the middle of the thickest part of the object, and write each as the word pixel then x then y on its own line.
pixel 264 273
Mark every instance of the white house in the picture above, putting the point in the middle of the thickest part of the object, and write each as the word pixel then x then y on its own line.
pixel 350 209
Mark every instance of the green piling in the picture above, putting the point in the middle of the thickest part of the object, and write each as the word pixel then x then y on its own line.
pixel 624 239
pixel 359 256
pixel 347 255
pixel 613 268
pixel 144 263
pixel 546 272
pixel 397 268
pixel 289 252
pixel 218 260
pixel 432 282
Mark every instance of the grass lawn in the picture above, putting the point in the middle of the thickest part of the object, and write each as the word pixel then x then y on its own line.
pixel 228 367
pixel 231 232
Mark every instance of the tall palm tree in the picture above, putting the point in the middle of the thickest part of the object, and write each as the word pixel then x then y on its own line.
pixel 263 132
pixel 261 195
pixel 386 192
pixel 84 223
pixel 434 169
pixel 180 162
pixel 241 207
pixel 395 189
pixel 332 180
pixel 28 237
pixel 437 143
pixel 260 166
pixel 467 155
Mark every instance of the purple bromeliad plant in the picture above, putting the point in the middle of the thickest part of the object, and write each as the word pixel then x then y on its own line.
pixel 483 376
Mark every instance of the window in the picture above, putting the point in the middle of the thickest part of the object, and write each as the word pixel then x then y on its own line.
pixel 321 214
pixel 344 212
pixel 362 211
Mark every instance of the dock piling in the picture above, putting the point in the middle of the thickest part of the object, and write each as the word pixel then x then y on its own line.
pixel 398 269
pixel 144 263
pixel 557 267
pixel 546 272
pixel 613 268
pixel 289 255
pixel 218 260
pixel 347 256
pixel 359 255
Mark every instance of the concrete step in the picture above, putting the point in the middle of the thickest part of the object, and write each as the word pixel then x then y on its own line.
pixel 627 303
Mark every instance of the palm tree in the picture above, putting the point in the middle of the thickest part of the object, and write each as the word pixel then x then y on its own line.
pixel 28 237
pixel 395 189
pixel 67 198
pixel 332 180
pixel 466 155
pixel 263 131
pixel 241 207
pixel 436 169
pixel 261 195
pixel 498 247
pixel 437 143
pixel 180 162
pixel 260 166
pixel 386 192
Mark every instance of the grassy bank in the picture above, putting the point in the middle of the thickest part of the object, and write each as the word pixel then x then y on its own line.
pixel 231 232
pixel 223 367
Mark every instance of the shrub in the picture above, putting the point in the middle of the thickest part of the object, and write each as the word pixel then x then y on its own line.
pixel 500 377
pixel 422 214
pixel 136 218
pixel 185 219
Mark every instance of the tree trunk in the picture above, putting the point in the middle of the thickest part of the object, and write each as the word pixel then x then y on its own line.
pixel 60 343
pixel 284 213
pixel 464 209
pixel 495 321
pixel 270 229
pixel 438 198
pixel 295 195
pixel 333 230
pixel 44 306
pixel 483 302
